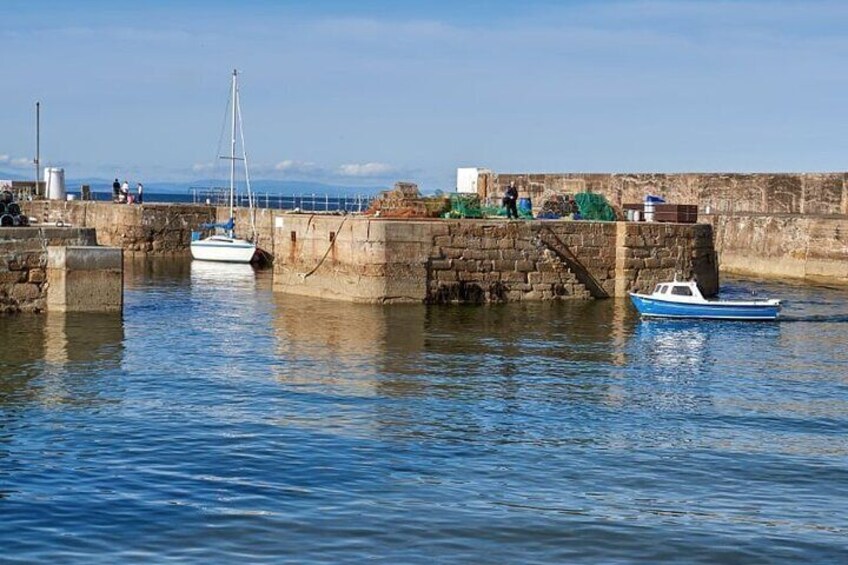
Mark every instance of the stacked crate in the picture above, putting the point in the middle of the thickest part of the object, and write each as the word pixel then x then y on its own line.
pixel 676 213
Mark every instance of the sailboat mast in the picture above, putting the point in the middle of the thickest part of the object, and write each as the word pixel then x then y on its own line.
pixel 233 148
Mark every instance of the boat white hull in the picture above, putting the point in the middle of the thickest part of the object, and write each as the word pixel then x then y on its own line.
pixel 225 250
pixel 681 299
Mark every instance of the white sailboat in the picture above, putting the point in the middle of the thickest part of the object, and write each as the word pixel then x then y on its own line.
pixel 226 246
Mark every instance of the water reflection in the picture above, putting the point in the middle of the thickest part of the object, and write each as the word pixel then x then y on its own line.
pixel 22 342
pixel 140 272
pixel 54 362
pixel 221 275
pixel 84 338
pixel 218 405
pixel 428 363
pixel 339 341
pixel 44 347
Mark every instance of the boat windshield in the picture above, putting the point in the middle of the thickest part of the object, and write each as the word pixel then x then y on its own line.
pixel 657 289
pixel 681 291
pixel 664 289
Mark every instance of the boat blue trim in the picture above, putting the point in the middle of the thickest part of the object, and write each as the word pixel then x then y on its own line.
pixel 717 310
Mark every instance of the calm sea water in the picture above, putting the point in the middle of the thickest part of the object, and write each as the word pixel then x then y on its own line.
pixel 219 422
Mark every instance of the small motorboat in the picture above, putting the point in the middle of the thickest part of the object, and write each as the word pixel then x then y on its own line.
pixel 684 300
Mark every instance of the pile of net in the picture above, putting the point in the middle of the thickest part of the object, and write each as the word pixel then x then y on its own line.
pixel 464 206
pixel 405 201
pixel 594 207
pixel 557 206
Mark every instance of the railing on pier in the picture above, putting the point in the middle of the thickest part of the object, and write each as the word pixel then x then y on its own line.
pixel 219 196
pixel 303 202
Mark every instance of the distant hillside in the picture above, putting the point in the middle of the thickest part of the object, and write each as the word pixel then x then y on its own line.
pixel 6 175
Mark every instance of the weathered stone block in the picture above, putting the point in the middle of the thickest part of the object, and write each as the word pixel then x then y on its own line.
pixel 12 277
pixel 511 254
pixel 85 279
pixel 475 254
pixel 452 252
pixel 514 276
pixel 24 292
pixel 525 266
pixel 441 264
pixel 550 278
pixel 37 276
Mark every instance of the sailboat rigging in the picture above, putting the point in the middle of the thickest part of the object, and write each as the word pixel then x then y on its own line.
pixel 226 246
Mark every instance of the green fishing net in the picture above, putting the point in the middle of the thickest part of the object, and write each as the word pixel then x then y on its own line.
pixel 594 207
pixel 465 206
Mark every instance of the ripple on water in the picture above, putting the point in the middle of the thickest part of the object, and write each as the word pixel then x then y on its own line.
pixel 218 421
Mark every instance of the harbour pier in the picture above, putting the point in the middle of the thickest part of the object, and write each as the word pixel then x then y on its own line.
pixel 784 226
pixel 381 260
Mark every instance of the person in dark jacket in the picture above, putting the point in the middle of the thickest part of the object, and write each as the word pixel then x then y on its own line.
pixel 116 190
pixel 510 201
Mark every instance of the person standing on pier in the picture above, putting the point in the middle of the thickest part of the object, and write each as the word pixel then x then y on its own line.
pixel 510 201
pixel 116 190
pixel 140 190
pixel 125 191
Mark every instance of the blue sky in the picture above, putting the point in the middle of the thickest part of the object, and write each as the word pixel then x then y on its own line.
pixel 372 92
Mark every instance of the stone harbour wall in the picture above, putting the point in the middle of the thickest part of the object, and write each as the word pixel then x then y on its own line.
pixel 437 261
pixel 781 225
pixel 155 229
pixel 764 193
pixel 23 264
pixel 506 262
pixel 652 253
pixel 351 258
pixel 782 246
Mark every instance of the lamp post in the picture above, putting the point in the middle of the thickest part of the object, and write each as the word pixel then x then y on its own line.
pixel 37 159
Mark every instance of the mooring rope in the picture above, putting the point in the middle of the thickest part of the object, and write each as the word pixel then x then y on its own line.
pixel 327 252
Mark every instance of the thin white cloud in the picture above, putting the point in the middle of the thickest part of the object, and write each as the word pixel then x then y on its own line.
pixel 4 158
pixel 20 162
pixel 293 166
pixel 201 167
pixel 377 29
pixel 366 169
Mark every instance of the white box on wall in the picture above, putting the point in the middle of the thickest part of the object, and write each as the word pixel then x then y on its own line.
pixel 466 179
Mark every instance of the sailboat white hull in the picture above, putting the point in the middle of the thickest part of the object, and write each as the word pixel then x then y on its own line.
pixel 224 249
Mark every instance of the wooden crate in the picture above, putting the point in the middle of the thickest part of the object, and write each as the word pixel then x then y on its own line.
pixel 676 213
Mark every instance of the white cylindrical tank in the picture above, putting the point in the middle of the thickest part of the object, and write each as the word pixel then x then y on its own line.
pixel 54 183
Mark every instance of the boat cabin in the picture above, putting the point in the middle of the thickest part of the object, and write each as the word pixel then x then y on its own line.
pixel 682 291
